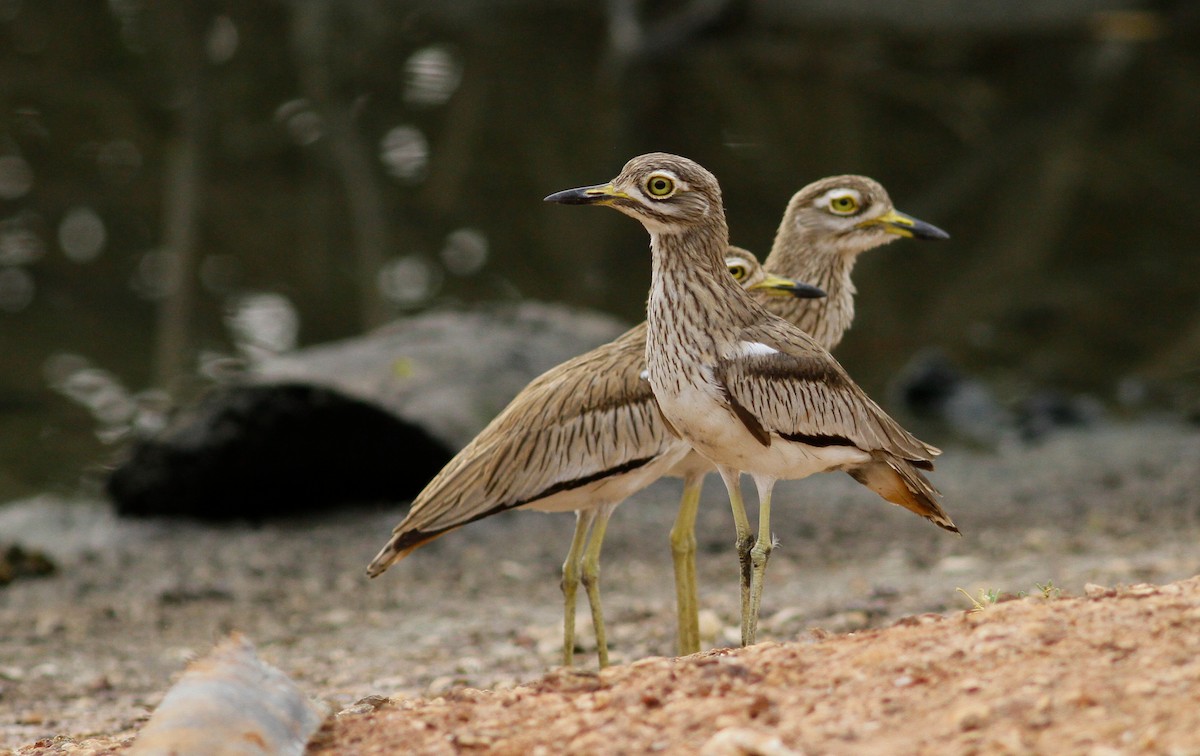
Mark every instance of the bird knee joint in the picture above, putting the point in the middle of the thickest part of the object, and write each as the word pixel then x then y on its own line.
pixel 683 543
pixel 745 543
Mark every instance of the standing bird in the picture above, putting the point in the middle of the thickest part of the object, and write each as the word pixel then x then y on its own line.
pixel 825 227
pixel 582 437
pixel 746 389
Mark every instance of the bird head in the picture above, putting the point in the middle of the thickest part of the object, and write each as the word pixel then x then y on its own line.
pixel 747 271
pixel 667 193
pixel 851 214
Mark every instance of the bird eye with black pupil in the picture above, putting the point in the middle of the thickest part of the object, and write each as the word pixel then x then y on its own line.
pixel 738 271
pixel 844 204
pixel 660 186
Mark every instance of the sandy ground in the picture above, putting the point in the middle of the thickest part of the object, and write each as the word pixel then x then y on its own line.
pixel 86 654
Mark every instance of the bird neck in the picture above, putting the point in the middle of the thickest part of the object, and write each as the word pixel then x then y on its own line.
pixel 693 299
pixel 824 265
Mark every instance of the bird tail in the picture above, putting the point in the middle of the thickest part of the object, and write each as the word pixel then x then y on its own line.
pixel 399 546
pixel 900 482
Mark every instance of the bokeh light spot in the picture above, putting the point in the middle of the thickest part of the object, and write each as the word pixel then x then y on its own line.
pixel 222 40
pixel 302 121
pixel 156 275
pixel 16 289
pixel 405 152
pixel 431 75
pixel 410 281
pixel 82 234
pixel 19 244
pixel 465 252
pixel 263 323
pixel 16 177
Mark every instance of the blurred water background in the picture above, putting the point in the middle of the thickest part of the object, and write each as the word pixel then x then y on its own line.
pixel 187 184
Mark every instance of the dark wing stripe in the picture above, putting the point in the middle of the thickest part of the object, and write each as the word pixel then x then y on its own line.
pixel 747 417
pixel 567 485
pixel 812 439
pixel 414 538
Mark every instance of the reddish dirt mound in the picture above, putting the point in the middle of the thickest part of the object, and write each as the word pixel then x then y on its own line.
pixel 1117 672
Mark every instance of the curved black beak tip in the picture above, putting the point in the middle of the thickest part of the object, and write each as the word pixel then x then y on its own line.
pixel 571 197
pixel 807 291
pixel 928 231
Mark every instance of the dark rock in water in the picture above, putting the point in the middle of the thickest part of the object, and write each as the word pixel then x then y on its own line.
pixel 1047 410
pixel 365 419
pixel 263 451
pixel 932 387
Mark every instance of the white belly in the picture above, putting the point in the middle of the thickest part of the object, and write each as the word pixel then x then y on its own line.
pixel 612 489
pixel 692 464
pixel 704 420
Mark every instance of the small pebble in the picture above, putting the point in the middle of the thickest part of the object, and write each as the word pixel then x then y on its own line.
pixel 1092 590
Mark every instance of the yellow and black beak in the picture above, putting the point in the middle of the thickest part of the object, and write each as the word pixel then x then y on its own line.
pixel 778 286
pixel 601 194
pixel 896 222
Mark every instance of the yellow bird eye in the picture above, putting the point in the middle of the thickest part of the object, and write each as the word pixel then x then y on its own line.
pixel 660 186
pixel 738 271
pixel 843 204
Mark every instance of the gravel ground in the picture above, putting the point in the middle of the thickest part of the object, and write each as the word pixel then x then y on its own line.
pixel 88 652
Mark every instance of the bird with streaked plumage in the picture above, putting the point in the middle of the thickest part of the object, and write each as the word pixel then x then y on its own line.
pixel 824 229
pixel 582 437
pixel 746 389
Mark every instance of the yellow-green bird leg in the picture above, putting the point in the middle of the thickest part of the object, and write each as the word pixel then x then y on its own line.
pixel 570 581
pixel 759 556
pixel 683 553
pixel 591 579
pixel 745 540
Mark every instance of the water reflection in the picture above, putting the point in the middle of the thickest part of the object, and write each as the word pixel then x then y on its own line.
pixel 19 242
pixel 156 275
pixel 410 281
pixel 81 234
pixel 466 251
pixel 222 43
pixel 119 160
pixel 405 153
pixel 263 324
pixel 220 274
pixel 431 75
pixel 16 289
pixel 303 123
pixel 118 413
pixel 16 177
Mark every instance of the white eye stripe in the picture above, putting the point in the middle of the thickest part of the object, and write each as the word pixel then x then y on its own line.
pixel 826 199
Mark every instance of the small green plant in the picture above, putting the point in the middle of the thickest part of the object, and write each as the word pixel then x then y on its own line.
pixel 1049 590
pixel 987 597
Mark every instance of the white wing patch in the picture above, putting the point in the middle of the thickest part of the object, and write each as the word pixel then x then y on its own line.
pixel 755 349
pixel 644 375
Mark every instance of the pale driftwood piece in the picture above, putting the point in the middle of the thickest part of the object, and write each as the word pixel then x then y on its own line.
pixel 231 703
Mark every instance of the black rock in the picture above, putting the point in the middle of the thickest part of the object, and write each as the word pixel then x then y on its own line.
pixel 254 452
pixel 1047 410
pixel 931 387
